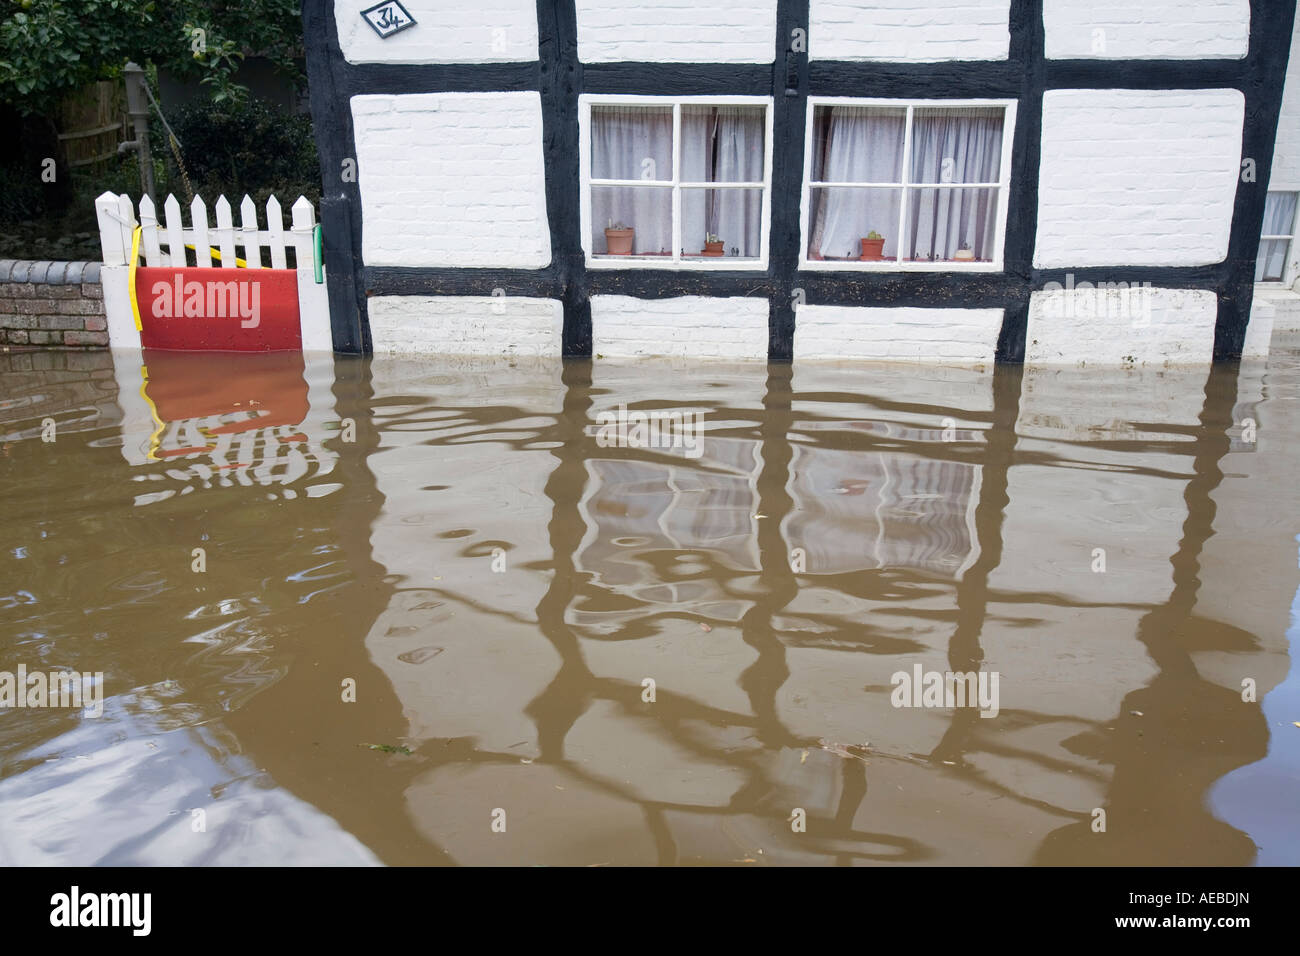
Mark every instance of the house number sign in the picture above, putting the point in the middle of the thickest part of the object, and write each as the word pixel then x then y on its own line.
pixel 388 18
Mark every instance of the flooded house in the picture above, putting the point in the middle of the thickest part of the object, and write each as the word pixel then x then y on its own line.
pixel 346 611
pixel 1034 181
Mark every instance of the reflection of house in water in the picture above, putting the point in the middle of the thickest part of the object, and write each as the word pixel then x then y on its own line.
pixel 856 509
pixel 225 419
pixel 651 521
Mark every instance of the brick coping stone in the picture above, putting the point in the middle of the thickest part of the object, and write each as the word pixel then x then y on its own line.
pixel 45 272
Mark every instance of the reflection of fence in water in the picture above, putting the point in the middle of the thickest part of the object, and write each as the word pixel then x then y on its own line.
pixel 220 421
pixel 279 455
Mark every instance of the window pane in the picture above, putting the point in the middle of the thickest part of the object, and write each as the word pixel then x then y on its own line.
pixel 858 144
pixel 956 145
pixel 632 142
pixel 951 225
pixel 735 216
pixel 647 210
pixel 1271 264
pixel 723 144
pixel 842 218
pixel 1279 214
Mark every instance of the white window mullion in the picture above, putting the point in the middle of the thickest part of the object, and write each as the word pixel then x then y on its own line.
pixel 1004 185
pixel 677 180
pixel 904 177
pixel 584 175
pixel 1291 262
pixel 765 219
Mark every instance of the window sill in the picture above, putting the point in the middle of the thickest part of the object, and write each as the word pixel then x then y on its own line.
pixel 893 265
pixel 664 260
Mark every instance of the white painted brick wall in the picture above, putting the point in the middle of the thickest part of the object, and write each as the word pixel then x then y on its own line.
pixel 677 31
pixel 941 336
pixel 466 325
pixel 1259 329
pixel 1150 29
pixel 1121 327
pixel 452 179
pixel 909 30
pixel 1137 177
pixel 691 326
pixel 446 31
pixel 1284 305
pixel 1286 152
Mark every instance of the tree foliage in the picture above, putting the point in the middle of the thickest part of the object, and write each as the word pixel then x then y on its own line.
pixel 234 148
pixel 49 48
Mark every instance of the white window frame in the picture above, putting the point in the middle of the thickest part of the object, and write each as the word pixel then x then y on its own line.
pixel 1290 271
pixel 1003 187
pixel 676 261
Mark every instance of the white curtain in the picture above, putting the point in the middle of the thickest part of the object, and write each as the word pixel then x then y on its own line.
pixel 719 144
pixel 957 146
pixel 1279 220
pixel 865 144
pixel 723 144
pixel 632 142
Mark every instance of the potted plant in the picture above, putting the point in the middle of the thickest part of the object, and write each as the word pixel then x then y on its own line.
pixel 619 238
pixel 712 245
pixel 873 246
pixel 964 253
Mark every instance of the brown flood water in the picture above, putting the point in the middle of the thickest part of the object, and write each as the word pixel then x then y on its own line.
pixel 499 583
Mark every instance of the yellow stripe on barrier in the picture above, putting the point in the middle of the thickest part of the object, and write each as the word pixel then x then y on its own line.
pixel 130 277
pixel 154 439
pixel 216 254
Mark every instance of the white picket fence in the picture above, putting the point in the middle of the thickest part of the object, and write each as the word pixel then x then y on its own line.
pixel 193 246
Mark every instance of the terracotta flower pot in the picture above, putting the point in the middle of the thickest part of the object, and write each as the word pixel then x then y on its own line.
pixel 873 248
pixel 619 241
pixel 714 248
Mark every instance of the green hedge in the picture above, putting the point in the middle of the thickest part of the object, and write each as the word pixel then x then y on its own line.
pixel 238 148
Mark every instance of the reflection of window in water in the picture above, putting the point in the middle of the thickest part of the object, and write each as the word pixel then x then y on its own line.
pixel 856 510
pixel 634 508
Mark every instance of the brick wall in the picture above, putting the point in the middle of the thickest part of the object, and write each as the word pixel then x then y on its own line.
pixel 58 304
pixel 466 325
pixel 1120 327
pixel 909 30
pixel 689 326
pixel 485 31
pixel 452 179
pixel 1152 29
pixel 1138 177
pixel 1286 152
pixel 676 31
pixel 962 336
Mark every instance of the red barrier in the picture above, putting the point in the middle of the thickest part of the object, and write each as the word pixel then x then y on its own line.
pixel 233 310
